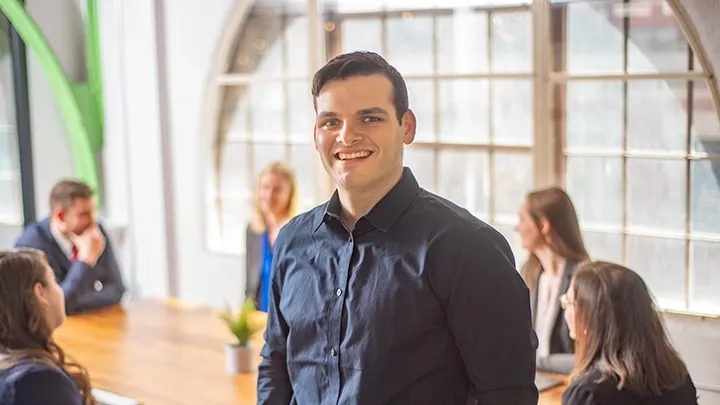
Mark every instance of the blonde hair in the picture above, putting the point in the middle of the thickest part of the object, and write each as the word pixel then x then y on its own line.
pixel 258 219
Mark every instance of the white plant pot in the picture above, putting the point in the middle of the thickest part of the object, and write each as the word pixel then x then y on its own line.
pixel 239 359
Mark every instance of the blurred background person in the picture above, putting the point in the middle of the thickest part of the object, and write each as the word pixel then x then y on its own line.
pixel 275 203
pixel 623 355
pixel 33 369
pixel 549 230
pixel 77 248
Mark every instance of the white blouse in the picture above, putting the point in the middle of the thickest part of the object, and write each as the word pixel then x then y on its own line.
pixel 546 311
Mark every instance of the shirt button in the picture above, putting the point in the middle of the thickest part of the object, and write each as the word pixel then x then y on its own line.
pixel 98 285
pixel 333 352
pixel 338 292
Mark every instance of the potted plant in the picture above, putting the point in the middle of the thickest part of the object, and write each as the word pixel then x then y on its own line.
pixel 239 355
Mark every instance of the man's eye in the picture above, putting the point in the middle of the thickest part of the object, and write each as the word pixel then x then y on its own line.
pixel 330 123
pixel 369 120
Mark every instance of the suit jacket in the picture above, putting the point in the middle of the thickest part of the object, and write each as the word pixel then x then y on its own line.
pixel 86 287
pixel 253 264
pixel 560 341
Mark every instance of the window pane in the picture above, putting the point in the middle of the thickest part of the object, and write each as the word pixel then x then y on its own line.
pixel 511 42
pixel 8 151
pixel 512 112
pixel 462 42
pixel 264 154
pixel 464 179
pixel 10 206
pixel 422 163
pixel 661 263
pixel 267 111
pixel 594 115
pixel 410 44
pixel 304 162
pixel 595 185
pixel 301 114
pixel 354 6
pixel 594 37
pixel 234 116
pixel 706 127
pixel 234 176
pixel 464 111
pixel 421 94
pixel 656 194
pixel 656 41
pixel 705 196
pixel 705 282
pixel 235 214
pixel 296 38
pixel 259 45
pixel 513 239
pixel 657 115
pixel 362 34
pixel 513 180
pixel 604 246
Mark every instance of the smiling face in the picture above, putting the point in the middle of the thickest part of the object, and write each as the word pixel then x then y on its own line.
pixel 357 133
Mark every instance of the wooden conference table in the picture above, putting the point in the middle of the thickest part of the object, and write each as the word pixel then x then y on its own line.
pixel 166 353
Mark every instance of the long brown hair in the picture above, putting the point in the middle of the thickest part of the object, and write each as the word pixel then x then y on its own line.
pixel 565 238
pixel 25 333
pixel 620 333
pixel 282 170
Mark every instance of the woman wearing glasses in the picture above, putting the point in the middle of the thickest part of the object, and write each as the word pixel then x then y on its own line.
pixel 623 355
pixel 549 230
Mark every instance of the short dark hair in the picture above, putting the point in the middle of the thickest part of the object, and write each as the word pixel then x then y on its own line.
pixel 362 63
pixel 65 192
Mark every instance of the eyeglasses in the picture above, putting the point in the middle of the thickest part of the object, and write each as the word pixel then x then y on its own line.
pixel 564 302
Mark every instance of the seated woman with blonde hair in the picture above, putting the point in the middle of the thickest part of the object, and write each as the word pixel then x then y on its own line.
pixel 623 355
pixel 275 203
pixel 550 231
pixel 33 369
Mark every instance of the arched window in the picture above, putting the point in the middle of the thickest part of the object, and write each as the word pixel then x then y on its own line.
pixel 605 97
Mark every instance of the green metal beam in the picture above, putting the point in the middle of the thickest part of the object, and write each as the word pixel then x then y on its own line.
pixel 79 107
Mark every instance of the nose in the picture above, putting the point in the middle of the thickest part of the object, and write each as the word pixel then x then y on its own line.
pixel 348 135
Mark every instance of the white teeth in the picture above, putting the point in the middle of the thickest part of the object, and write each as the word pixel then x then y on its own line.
pixel 354 155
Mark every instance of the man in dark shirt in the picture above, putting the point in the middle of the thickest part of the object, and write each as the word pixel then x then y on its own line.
pixel 389 294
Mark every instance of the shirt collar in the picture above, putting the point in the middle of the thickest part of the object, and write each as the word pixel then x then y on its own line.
pixel 63 242
pixel 387 211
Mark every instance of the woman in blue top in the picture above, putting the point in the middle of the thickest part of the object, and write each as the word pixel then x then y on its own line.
pixel 33 369
pixel 276 201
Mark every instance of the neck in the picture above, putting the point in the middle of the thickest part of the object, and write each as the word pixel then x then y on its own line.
pixel 55 228
pixel 552 263
pixel 273 221
pixel 356 203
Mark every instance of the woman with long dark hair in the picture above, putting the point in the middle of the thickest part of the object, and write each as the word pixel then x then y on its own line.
pixel 623 355
pixel 549 230
pixel 33 369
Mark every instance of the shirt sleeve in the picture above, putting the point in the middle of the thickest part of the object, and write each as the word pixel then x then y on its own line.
pixel 57 389
pixel 274 386
pixel 487 306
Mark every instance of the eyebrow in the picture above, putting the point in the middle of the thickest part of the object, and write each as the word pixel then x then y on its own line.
pixel 364 111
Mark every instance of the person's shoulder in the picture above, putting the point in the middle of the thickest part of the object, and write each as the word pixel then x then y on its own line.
pixel 300 225
pixel 587 390
pixel 33 236
pixel 451 220
pixel 20 385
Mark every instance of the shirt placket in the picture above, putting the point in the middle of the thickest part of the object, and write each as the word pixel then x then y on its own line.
pixel 338 296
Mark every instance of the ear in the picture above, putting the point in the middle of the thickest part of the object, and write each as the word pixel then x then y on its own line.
pixel 315 137
pixel 39 291
pixel 544 226
pixel 58 213
pixel 409 126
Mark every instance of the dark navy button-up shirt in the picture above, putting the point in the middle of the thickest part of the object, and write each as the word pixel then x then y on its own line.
pixel 420 304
